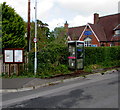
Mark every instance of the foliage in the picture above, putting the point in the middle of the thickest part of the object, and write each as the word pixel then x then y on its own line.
pixel 52 60
pixel 45 37
pixel 52 57
pixel 101 55
pixel 42 34
pixel 0 29
pixel 13 28
pixel 59 35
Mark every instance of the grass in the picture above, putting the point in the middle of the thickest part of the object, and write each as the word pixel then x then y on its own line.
pixel 102 65
pixel 89 68
pixel 5 75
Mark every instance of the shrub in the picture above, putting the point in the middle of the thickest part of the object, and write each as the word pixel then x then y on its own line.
pixel 101 55
pixel 52 60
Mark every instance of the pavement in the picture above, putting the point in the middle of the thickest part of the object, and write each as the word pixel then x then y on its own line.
pixel 24 84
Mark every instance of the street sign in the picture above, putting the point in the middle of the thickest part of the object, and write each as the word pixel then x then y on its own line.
pixel 35 40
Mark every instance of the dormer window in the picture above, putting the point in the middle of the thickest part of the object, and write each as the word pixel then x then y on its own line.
pixel 87 41
pixel 117 32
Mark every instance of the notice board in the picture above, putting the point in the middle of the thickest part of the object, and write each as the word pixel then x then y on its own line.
pixel 13 55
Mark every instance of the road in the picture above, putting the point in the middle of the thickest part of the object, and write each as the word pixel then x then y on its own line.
pixel 99 91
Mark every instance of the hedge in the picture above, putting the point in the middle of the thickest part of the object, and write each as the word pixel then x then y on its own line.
pixel 53 59
pixel 102 55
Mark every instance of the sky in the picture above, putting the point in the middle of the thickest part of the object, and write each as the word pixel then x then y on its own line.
pixel 56 12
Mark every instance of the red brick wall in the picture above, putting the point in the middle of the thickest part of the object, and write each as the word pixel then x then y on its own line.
pixel 94 39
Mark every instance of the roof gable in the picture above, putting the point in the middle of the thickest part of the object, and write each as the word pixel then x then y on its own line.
pixel 89 25
pixel 117 27
pixel 75 32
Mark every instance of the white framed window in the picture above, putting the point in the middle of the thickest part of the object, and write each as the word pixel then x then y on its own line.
pixel 117 32
pixel 87 42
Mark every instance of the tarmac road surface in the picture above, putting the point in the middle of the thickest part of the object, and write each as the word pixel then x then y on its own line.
pixel 93 92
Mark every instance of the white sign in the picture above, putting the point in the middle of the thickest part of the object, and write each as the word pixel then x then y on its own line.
pixel 35 40
pixel 18 56
pixel 8 55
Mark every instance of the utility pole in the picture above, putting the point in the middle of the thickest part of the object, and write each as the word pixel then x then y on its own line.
pixel 35 62
pixel 28 28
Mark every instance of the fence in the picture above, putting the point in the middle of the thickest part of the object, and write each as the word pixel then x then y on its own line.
pixel 11 69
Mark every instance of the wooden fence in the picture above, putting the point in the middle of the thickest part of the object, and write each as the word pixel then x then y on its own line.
pixel 11 69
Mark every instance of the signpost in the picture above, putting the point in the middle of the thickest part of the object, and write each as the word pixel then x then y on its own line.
pixel 35 39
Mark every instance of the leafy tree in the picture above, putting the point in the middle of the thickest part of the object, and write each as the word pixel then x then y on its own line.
pixel 51 36
pixel 42 34
pixel 13 28
pixel 59 35
pixel 0 28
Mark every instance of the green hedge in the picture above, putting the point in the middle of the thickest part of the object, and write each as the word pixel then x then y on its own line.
pixel 102 55
pixel 53 60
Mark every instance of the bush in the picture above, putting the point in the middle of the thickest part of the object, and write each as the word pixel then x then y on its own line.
pixel 51 60
pixel 103 56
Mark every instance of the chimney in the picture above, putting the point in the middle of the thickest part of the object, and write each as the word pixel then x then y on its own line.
pixel 96 18
pixel 66 26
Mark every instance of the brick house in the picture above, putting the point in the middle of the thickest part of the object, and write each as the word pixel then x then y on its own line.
pixel 104 32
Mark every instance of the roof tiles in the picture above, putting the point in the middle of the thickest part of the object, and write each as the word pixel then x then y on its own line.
pixel 104 29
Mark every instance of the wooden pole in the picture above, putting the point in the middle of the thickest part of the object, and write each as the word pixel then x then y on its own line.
pixel 28 28
pixel 9 70
pixel 18 68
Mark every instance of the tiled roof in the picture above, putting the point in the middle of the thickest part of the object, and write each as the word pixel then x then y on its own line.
pixel 109 23
pixel 117 27
pixel 104 29
pixel 75 32
pixel 99 31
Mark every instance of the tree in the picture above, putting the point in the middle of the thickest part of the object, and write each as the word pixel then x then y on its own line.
pixel 13 28
pixel 0 29
pixel 59 35
pixel 42 34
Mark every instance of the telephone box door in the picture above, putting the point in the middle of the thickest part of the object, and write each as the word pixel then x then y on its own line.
pixel 76 54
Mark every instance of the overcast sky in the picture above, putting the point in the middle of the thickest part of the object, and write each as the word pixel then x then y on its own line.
pixel 56 12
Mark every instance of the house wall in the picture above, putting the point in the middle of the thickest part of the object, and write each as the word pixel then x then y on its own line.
pixel 117 43
pixel 94 39
pixel 106 44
